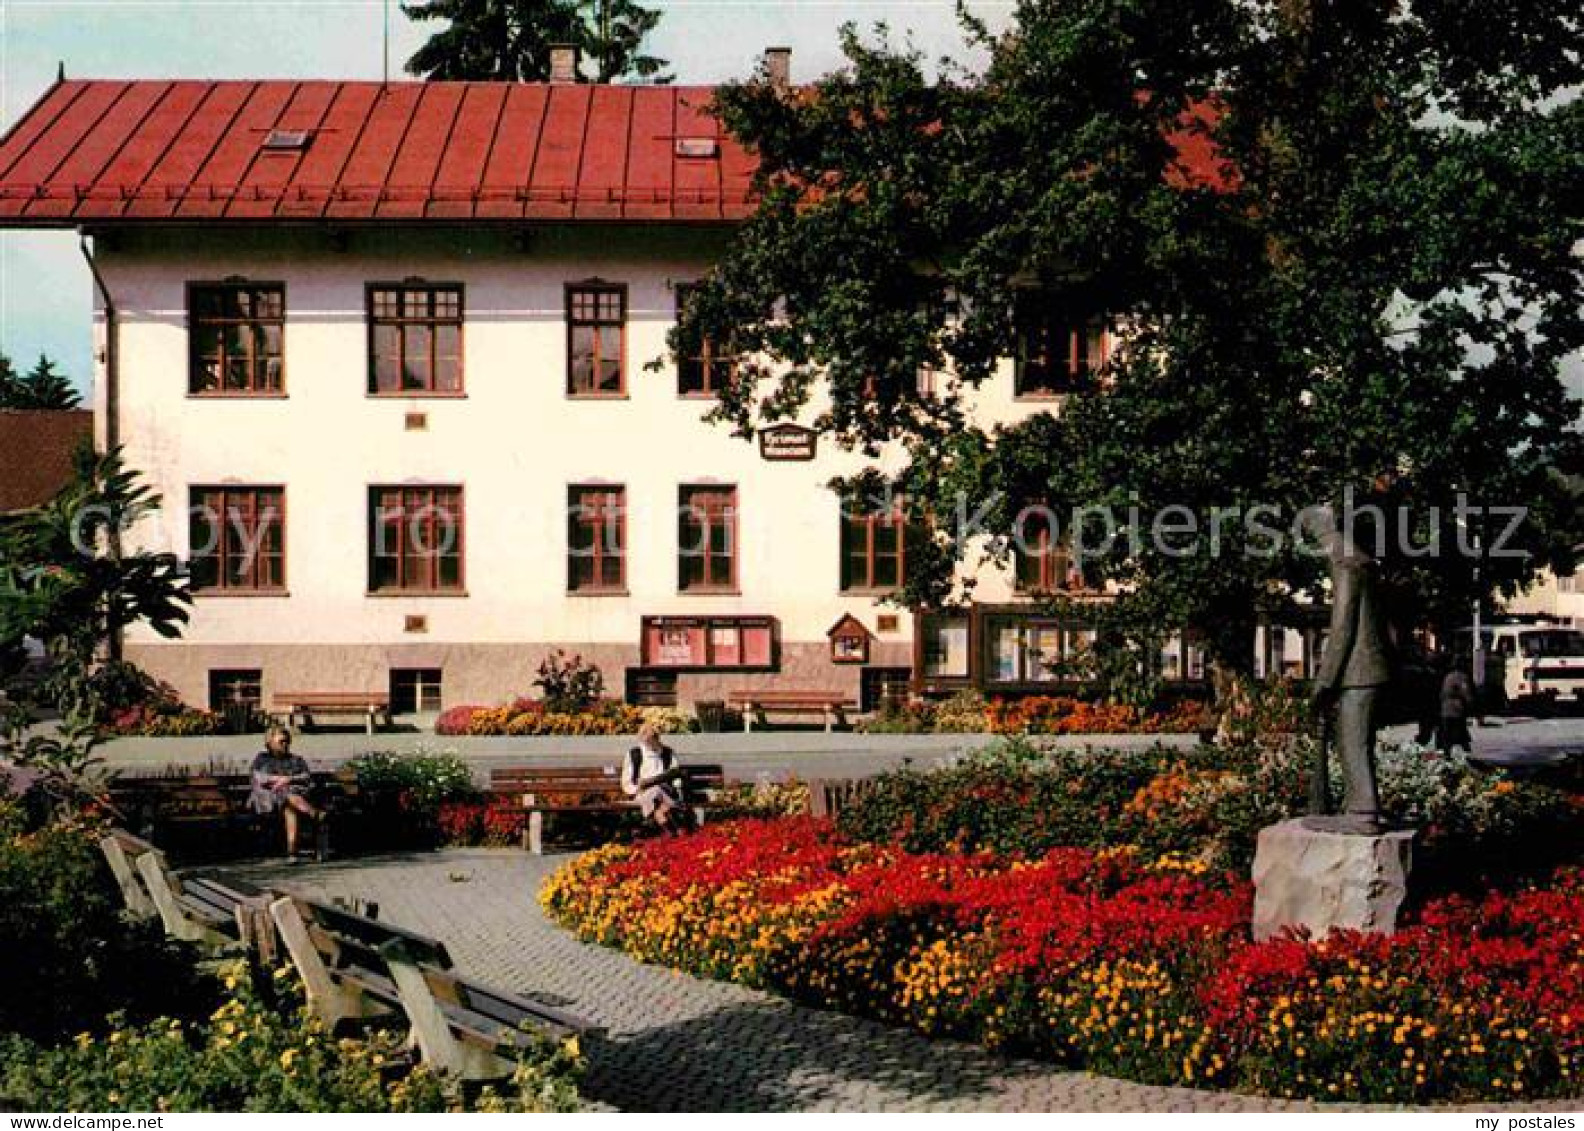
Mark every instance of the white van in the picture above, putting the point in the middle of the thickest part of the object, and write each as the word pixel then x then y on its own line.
pixel 1531 661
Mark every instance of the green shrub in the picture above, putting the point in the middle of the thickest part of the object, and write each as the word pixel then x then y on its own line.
pixel 1208 805
pixel 569 684
pixel 963 713
pixel 72 956
pixel 248 1056
pixel 424 779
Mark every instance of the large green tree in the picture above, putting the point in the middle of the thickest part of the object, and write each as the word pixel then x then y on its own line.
pixel 1336 241
pixel 510 40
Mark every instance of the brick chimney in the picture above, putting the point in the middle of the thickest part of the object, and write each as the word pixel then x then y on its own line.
pixel 778 66
pixel 563 62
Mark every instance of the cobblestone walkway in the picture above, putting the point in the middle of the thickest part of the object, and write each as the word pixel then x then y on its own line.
pixel 680 1043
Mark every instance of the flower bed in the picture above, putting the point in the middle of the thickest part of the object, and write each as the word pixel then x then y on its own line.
pixel 164 722
pixel 1107 960
pixel 1043 714
pixel 1021 796
pixel 530 717
pixel 968 712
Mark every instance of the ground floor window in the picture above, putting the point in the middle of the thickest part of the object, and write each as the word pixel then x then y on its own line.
pixel 1029 650
pixel 1182 658
pixel 650 688
pixel 232 687
pixel 415 690
pixel 880 686
pixel 944 652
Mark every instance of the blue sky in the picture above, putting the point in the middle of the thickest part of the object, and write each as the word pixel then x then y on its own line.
pixel 45 295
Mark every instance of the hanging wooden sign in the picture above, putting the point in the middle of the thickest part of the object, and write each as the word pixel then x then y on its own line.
pixel 791 442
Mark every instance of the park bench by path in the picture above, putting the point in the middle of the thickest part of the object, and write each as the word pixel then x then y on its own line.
pixel 196 908
pixel 561 792
pixel 307 708
pixel 171 808
pixel 356 967
pixel 756 706
pixel 122 851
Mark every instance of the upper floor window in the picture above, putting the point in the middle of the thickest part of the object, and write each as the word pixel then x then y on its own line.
pixel 236 333
pixel 415 539
pixel 873 546
pixel 703 369
pixel 1057 351
pixel 1040 559
pixel 596 539
pixel 415 339
pixel 596 340
pixel 707 539
pixel 237 539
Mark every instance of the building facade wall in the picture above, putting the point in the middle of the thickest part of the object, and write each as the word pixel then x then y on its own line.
pixel 513 440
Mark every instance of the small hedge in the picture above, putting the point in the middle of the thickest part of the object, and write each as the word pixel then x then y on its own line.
pixel 72 957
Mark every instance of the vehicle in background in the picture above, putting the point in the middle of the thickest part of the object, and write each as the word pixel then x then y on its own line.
pixel 1529 663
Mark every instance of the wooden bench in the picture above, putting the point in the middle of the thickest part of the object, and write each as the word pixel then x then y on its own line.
pixel 337 955
pixel 357 967
pixel 567 791
pixel 165 808
pixel 306 708
pixel 195 908
pixel 832 706
pixel 122 851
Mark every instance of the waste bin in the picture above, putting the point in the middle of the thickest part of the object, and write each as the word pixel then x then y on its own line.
pixel 711 716
pixel 239 717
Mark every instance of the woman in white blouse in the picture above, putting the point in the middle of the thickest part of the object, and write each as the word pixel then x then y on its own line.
pixel 652 777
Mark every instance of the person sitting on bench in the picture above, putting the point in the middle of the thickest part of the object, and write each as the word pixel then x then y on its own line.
pixel 281 782
pixel 652 777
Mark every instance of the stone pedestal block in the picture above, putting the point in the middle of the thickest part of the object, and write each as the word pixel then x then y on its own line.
pixel 1324 880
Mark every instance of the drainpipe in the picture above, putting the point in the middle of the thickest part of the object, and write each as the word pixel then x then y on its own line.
pixel 112 405
pixel 112 400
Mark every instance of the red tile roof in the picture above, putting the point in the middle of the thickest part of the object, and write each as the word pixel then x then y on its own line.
pixel 94 152
pixel 36 454
pixel 103 151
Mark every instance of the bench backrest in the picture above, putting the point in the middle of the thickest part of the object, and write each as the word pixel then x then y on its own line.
pixel 568 780
pixel 794 698
pixel 332 698
pixel 347 940
pixel 499 1007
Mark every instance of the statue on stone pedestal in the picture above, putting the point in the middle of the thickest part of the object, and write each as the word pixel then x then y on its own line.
pixel 1354 672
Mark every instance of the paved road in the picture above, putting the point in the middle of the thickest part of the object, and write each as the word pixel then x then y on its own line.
pixel 777 753
pixel 678 1043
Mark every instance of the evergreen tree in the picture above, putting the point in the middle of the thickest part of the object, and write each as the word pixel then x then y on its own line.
pixel 8 383
pixel 43 387
pixel 510 40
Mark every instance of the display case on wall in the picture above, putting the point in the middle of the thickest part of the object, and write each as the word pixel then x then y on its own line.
pixel 724 643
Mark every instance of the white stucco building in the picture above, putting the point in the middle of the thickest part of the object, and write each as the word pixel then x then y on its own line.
pixel 339 322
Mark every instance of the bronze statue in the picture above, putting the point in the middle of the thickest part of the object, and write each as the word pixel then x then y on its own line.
pixel 1353 674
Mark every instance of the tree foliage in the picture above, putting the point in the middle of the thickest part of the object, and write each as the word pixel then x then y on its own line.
pixel 41 388
pixel 65 580
pixel 1337 241
pixel 510 40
